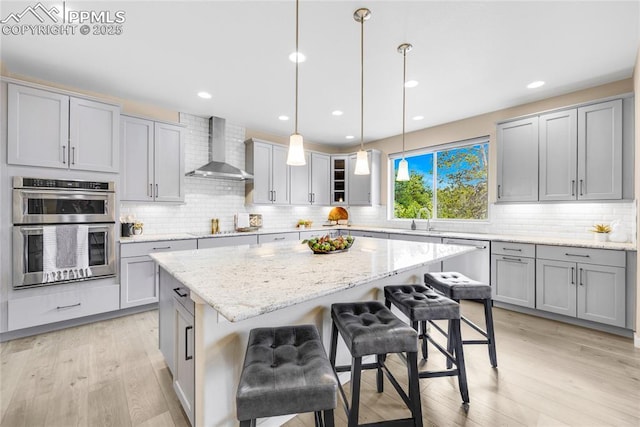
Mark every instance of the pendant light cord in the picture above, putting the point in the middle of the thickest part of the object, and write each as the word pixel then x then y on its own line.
pixel 404 93
pixel 362 83
pixel 297 61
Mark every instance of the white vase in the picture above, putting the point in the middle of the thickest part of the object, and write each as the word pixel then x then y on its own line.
pixel 600 237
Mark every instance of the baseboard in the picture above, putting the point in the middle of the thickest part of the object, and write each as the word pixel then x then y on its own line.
pixel 636 340
pixel 41 329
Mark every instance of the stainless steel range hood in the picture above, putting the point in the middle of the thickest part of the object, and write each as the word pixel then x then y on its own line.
pixel 217 168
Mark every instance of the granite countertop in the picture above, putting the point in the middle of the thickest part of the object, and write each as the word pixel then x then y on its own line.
pixel 250 280
pixel 540 240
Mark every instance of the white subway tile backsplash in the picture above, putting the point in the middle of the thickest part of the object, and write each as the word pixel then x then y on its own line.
pixel 206 199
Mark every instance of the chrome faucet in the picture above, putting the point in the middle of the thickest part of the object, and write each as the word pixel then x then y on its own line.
pixel 424 208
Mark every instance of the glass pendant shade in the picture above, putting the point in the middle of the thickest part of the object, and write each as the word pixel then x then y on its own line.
pixel 362 163
pixel 403 171
pixel 295 156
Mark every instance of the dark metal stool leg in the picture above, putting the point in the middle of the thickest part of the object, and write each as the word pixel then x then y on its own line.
pixel 488 316
pixel 451 347
pixel 379 374
pixel 246 423
pixel 414 388
pixel 328 418
pixel 333 348
pixel 425 341
pixel 356 370
pixel 456 338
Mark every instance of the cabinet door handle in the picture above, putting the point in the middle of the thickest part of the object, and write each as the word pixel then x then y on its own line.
pixel 186 343
pixel 275 195
pixel 162 247
pixel 578 255
pixel 512 249
pixel 313 197
pixel 573 187
pixel 60 307
pixel 73 155
pixel 499 188
pixel 581 284
pixel 150 193
pixel 177 291
pixel 581 187
pixel 511 259
pixel 64 154
pixel 573 275
pixel 481 247
pixel 156 190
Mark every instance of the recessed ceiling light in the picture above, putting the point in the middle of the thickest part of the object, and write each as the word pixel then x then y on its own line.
pixel 411 83
pixel 418 117
pixel 297 57
pixel 337 113
pixel 535 84
pixel 283 118
pixel 204 95
pixel 349 136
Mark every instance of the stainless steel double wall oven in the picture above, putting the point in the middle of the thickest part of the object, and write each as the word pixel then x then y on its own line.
pixel 40 203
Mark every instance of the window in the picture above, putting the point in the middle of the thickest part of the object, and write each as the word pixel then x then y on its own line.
pixel 446 182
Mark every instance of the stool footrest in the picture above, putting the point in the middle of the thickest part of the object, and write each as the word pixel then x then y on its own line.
pixel 347 368
pixel 476 342
pixel 393 423
pixel 474 326
pixel 438 374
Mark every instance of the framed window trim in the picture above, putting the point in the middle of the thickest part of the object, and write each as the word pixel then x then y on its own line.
pixel 433 149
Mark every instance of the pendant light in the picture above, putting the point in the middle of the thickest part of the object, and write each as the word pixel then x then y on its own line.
pixel 295 156
pixel 362 160
pixel 403 166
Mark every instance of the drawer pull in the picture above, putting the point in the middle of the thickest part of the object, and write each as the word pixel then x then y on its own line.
pixel 67 306
pixel 578 255
pixel 186 343
pixel 177 291
pixel 278 238
pixel 481 247
pixel 161 248
pixel 512 249
pixel 511 259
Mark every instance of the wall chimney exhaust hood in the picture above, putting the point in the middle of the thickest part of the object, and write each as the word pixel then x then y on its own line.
pixel 217 168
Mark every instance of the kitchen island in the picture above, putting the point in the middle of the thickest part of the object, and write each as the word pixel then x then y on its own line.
pixel 239 288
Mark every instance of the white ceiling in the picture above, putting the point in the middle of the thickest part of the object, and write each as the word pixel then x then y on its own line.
pixel 469 57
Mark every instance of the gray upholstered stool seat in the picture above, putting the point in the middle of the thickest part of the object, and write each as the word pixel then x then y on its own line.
pixel 286 371
pixel 459 287
pixel 421 305
pixel 369 328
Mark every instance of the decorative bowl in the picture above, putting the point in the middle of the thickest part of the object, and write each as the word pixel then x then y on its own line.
pixel 328 245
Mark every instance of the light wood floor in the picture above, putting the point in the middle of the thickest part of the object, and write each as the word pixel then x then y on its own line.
pixel 112 374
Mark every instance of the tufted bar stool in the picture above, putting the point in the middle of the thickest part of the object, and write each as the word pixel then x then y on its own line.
pixel 369 328
pixel 286 371
pixel 421 305
pixel 459 287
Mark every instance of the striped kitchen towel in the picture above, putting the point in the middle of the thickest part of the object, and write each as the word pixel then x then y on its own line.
pixel 65 253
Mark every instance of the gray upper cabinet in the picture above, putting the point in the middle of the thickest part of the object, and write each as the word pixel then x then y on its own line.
pixel 517 172
pixel 558 138
pixel 168 163
pixel 268 164
pixel 600 151
pixel 71 133
pixel 93 136
pixel 364 190
pixel 310 183
pixel 152 161
pixel 581 153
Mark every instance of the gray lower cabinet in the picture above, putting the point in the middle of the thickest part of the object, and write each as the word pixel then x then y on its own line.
pixel 277 237
pixel 585 283
pixel 176 339
pixel 374 234
pixel 513 273
pixel 139 273
pixel 218 242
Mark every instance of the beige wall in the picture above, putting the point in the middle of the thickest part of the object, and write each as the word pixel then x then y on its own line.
pixel 128 106
pixel 485 124
pixel 636 86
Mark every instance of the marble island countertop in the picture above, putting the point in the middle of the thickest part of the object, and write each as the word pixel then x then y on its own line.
pixel 244 281
pixel 540 240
